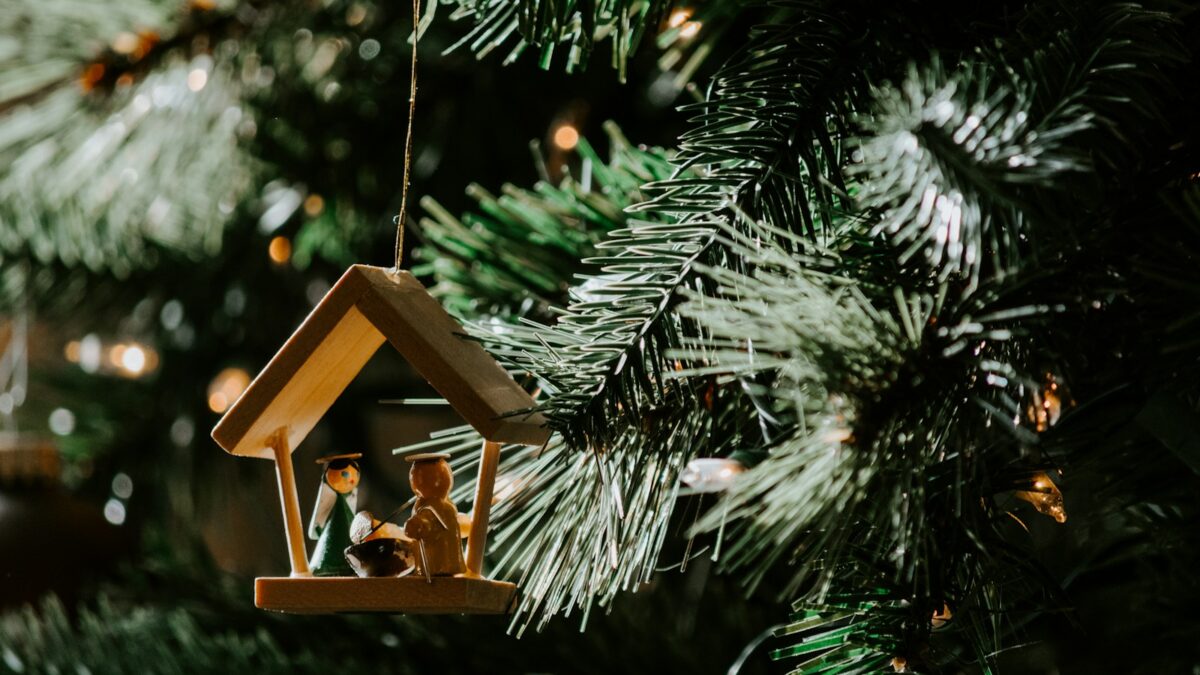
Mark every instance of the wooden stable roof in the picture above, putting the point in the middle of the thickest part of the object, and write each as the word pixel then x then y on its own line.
pixel 368 306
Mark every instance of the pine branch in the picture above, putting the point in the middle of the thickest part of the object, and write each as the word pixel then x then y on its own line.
pixel 518 254
pixel 547 27
pixel 593 508
pixel 973 169
pixel 886 463
pixel 48 44
pixel 947 162
pixel 106 178
pixel 57 205
pixel 600 500
pixel 767 140
pixel 111 639
pixel 1113 59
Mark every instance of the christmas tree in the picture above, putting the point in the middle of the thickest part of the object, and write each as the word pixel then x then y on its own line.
pixel 862 330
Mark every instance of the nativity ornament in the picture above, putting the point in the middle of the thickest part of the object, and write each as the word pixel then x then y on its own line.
pixel 367 307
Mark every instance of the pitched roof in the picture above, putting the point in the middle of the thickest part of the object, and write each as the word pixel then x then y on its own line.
pixel 368 306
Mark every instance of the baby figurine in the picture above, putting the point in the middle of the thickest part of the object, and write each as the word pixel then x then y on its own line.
pixel 365 527
pixel 435 522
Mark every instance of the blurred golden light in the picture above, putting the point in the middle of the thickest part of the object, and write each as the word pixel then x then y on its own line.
pixel 711 474
pixel 92 75
pixel 1045 497
pixel 314 205
pixel 134 359
pixel 72 351
pixel 196 79
pixel 226 387
pixel 690 30
pixel 217 402
pixel 566 137
pixel 279 250
pixel 941 617
pixel 356 14
pixel 125 43
pixel 1046 406
pixel 678 17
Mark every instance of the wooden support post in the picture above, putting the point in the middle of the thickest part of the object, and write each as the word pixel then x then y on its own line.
pixel 482 511
pixel 290 502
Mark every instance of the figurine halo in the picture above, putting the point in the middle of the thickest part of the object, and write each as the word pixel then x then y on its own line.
pixel 327 459
pixel 426 457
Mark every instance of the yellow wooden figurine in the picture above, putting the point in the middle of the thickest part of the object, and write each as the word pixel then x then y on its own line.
pixel 435 520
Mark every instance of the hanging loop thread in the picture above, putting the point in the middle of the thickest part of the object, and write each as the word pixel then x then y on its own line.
pixel 408 138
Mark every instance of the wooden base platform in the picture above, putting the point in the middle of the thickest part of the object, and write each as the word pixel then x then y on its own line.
pixel 406 595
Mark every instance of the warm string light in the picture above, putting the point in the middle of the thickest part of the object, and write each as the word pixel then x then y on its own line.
pixel 197 78
pixel 125 48
pixel 1045 497
pixel 679 20
pixel 226 387
pixel 314 204
pixel 1046 405
pixel 127 359
pixel 279 250
pixel 566 137
pixel 711 474
pixel 941 617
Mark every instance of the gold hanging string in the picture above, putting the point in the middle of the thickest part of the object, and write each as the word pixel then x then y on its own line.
pixel 408 140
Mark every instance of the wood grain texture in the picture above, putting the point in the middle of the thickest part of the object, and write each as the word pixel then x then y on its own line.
pixel 481 512
pixel 290 503
pixel 367 306
pixel 407 595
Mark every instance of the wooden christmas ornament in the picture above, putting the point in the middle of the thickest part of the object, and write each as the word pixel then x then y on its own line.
pixel 367 307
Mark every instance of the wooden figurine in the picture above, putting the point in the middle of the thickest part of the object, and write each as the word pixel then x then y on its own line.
pixel 434 524
pixel 365 308
pixel 334 510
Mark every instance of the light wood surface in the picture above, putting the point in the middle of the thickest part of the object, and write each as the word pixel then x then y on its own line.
pixel 291 504
pixel 367 306
pixel 481 512
pixel 408 595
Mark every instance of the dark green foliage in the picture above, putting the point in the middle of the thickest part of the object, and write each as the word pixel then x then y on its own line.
pixel 909 256
pixel 904 385
pixel 849 634
pixel 125 640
